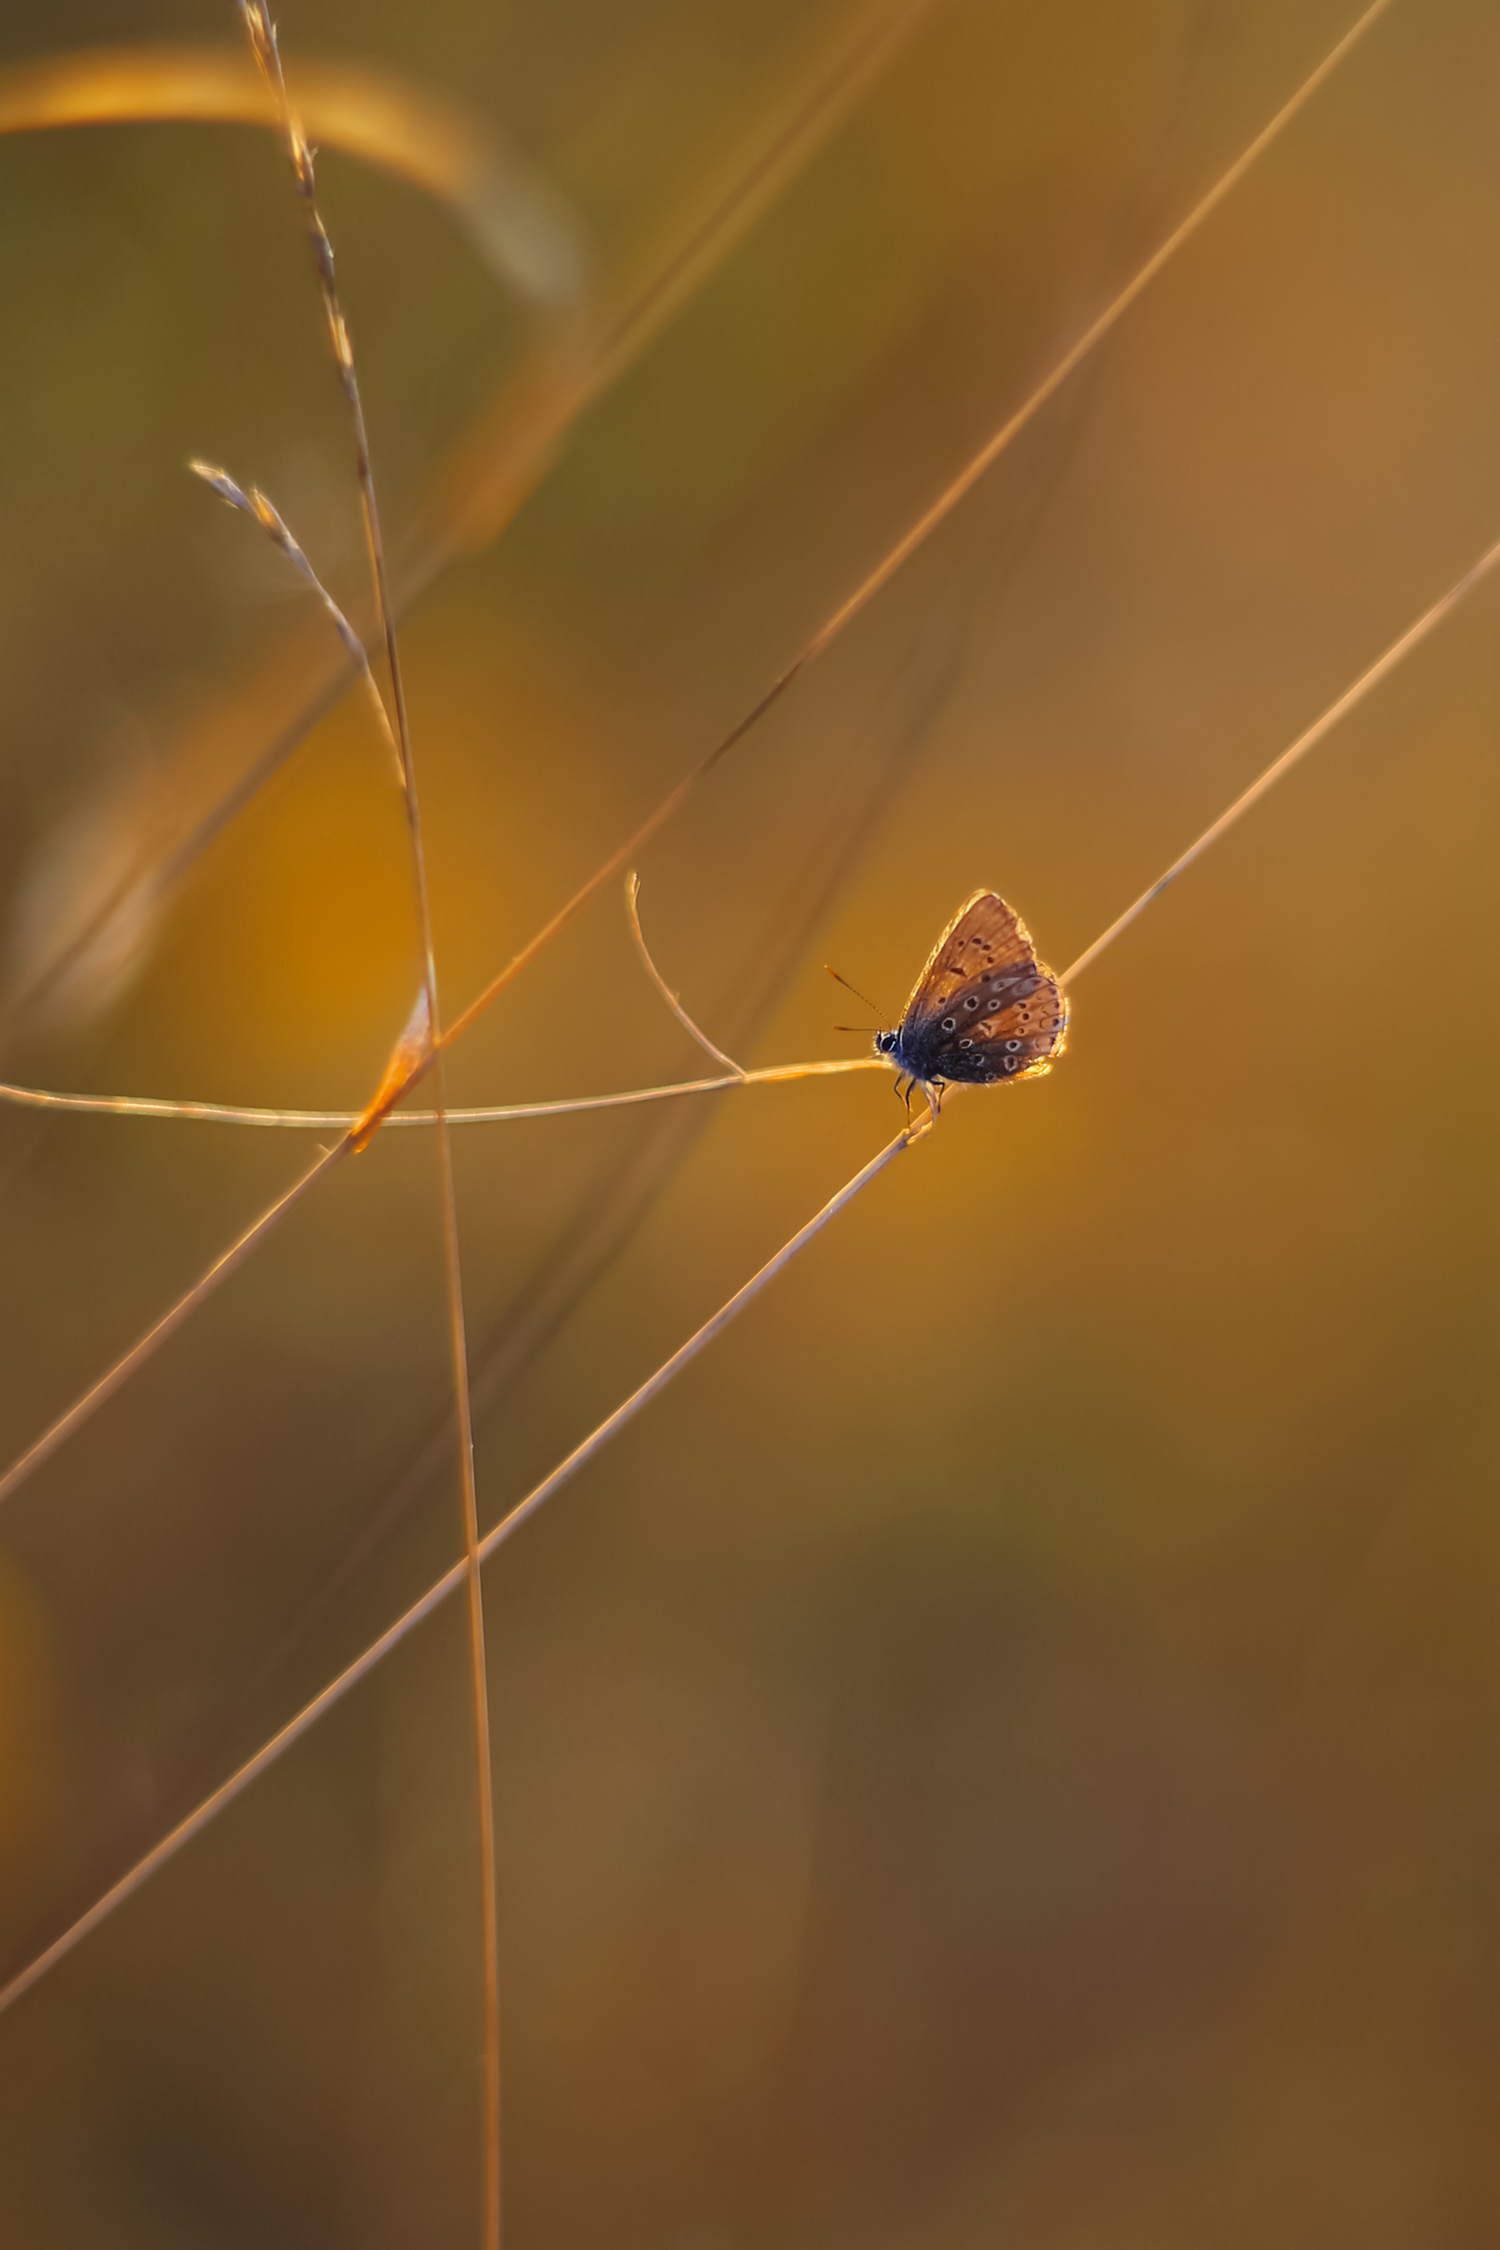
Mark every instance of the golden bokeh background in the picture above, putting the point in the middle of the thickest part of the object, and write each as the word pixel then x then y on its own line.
pixel 1007 1748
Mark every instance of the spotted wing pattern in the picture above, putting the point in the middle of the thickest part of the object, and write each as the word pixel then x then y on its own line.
pixel 984 1008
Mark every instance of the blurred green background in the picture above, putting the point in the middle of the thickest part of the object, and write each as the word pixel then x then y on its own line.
pixel 1006 1749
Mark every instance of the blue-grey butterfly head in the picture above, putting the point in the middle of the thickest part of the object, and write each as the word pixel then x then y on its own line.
pixel 886 1042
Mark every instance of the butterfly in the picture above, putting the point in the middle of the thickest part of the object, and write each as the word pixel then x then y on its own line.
pixel 983 1011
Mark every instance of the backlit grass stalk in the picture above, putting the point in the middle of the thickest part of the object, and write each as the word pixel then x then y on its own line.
pixel 1307 740
pixel 252 502
pixel 345 1120
pixel 261 33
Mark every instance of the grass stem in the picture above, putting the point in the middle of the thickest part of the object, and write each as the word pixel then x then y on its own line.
pixel 261 33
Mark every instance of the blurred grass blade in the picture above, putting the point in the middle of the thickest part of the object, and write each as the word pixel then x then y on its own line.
pixel 516 220
pixel 512 445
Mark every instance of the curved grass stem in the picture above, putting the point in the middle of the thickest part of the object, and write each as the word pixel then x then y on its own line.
pixel 633 911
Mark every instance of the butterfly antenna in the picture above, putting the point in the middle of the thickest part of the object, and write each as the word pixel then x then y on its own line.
pixel 854 988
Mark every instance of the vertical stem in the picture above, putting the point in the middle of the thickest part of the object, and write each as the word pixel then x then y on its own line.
pixel 478 1663
pixel 262 36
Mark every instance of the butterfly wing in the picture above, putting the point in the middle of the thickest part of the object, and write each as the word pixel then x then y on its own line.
pixel 1009 1038
pixel 984 935
pixel 984 1008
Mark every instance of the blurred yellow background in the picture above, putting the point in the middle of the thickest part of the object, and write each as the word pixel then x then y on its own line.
pixel 1007 1749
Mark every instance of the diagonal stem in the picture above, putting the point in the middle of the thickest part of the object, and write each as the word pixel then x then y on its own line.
pixel 1294 753
pixel 115 1378
pixel 452 1579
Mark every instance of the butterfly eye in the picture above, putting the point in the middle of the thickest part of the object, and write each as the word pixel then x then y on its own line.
pixel 971 1002
pixel 949 1023
pixel 1013 1046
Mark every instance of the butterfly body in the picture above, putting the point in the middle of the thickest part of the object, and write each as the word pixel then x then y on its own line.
pixel 984 1011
